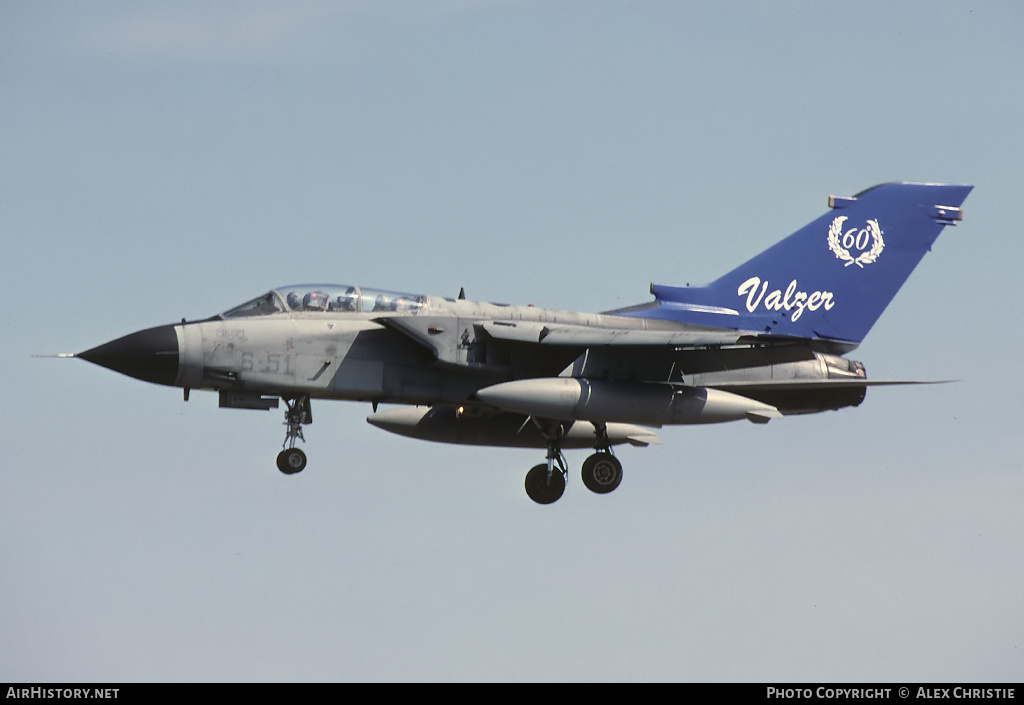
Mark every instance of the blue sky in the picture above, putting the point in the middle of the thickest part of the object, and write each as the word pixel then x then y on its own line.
pixel 169 160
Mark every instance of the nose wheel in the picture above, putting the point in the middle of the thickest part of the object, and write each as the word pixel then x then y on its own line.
pixel 298 412
pixel 291 461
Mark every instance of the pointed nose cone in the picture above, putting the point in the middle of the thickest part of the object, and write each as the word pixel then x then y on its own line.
pixel 150 355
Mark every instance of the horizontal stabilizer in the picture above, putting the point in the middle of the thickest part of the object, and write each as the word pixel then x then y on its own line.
pixel 806 384
pixel 805 396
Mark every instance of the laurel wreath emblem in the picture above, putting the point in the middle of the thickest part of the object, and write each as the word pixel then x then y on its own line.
pixel 868 255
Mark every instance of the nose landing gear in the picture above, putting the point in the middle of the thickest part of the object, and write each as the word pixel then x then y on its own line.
pixel 299 412
pixel 291 461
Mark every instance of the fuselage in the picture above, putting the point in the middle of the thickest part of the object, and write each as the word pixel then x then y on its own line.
pixel 347 343
pixel 408 350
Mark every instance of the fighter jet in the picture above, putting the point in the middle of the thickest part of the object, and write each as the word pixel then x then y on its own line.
pixel 768 339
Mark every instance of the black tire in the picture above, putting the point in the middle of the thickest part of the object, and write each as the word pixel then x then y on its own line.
pixel 291 461
pixel 540 489
pixel 602 473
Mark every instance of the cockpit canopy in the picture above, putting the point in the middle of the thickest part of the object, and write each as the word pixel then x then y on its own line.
pixel 333 298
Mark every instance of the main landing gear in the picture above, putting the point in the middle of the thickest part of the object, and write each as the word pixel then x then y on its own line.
pixel 545 483
pixel 292 460
pixel 602 472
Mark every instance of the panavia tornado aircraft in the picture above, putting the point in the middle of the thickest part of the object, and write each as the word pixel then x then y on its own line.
pixel 766 340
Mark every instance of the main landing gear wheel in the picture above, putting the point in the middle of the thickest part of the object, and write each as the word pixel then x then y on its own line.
pixel 544 487
pixel 602 473
pixel 545 483
pixel 291 461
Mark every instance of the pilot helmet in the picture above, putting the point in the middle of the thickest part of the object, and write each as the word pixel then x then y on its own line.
pixel 315 301
pixel 348 301
pixel 294 302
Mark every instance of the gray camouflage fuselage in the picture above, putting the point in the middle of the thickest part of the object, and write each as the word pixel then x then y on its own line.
pixel 445 350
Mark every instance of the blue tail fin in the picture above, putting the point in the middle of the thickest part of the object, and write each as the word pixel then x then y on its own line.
pixel 832 278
